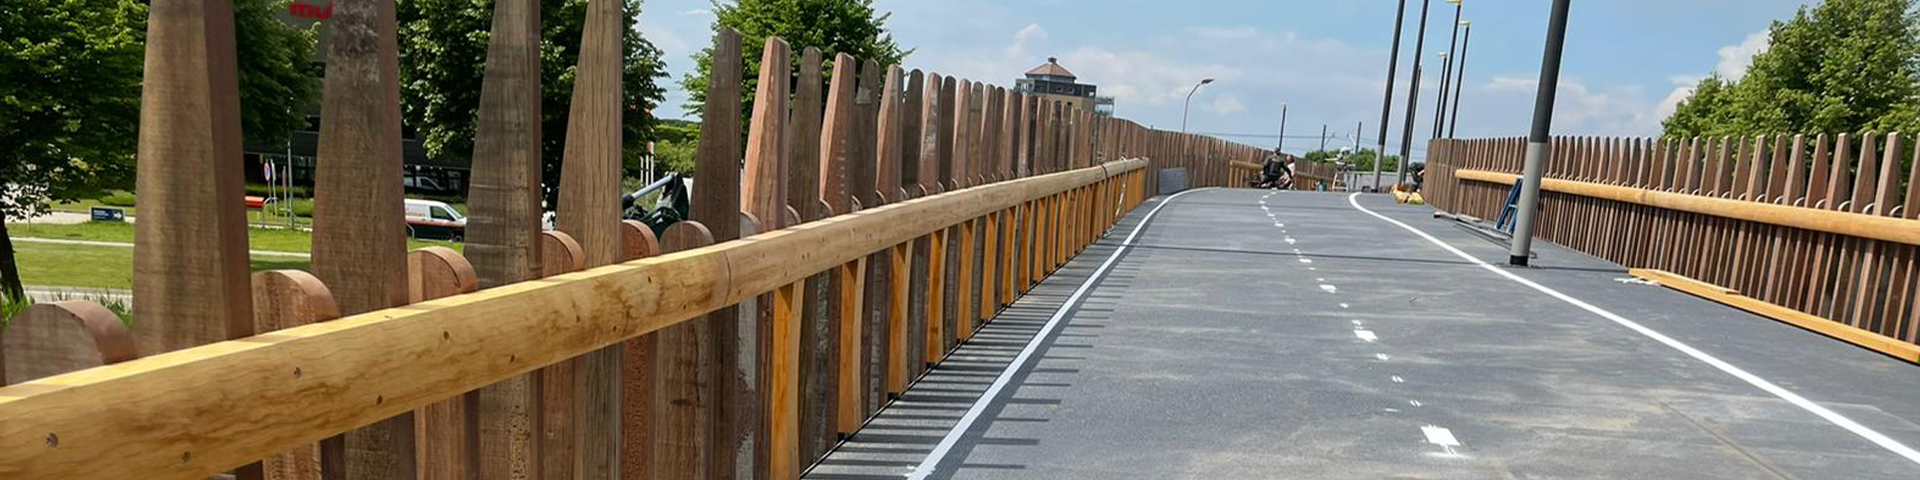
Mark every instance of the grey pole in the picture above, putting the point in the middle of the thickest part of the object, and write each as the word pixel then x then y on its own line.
pixel 1323 137
pixel 1537 140
pixel 1453 40
pixel 1440 101
pixel 1386 105
pixel 1189 103
pixel 1283 130
pixel 1460 83
pixel 1413 96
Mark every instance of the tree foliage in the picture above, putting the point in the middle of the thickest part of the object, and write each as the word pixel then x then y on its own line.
pixel 1843 66
pixel 834 26
pixel 443 53
pixel 279 77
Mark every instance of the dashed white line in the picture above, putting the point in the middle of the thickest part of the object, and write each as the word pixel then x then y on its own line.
pixel 1343 305
pixel 1366 335
pixel 1383 357
pixel 1290 240
pixel 1306 260
pixel 1329 288
pixel 1397 379
pixel 1795 399
pixel 1415 403
pixel 1440 436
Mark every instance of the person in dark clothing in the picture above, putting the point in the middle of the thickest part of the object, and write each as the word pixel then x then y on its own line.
pixel 1275 173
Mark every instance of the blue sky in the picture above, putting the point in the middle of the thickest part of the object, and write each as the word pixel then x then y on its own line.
pixel 1626 61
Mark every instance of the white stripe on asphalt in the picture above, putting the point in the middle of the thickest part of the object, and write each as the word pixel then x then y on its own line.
pixel 1793 398
pixel 1366 335
pixel 926 466
pixel 1440 436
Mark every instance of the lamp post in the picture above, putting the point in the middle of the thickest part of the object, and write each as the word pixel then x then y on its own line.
pixel 1460 81
pixel 1189 103
pixel 1386 104
pixel 1283 130
pixel 1413 96
pixel 1440 101
pixel 1537 139
pixel 1453 43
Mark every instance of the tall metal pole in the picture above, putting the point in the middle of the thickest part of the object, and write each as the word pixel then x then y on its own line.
pixel 1413 96
pixel 1460 82
pixel 1356 135
pixel 1453 40
pixel 1440 101
pixel 1323 137
pixel 1537 140
pixel 1386 105
pixel 1283 130
pixel 1189 103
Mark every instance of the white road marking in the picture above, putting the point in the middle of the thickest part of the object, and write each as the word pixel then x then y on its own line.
pixel 1343 305
pixel 1329 288
pixel 1312 269
pixel 1290 240
pixel 1397 379
pixel 1356 323
pixel 1793 398
pixel 952 437
pixel 1440 436
pixel 1366 335
pixel 1306 260
pixel 1383 357
pixel 1415 403
pixel 1636 281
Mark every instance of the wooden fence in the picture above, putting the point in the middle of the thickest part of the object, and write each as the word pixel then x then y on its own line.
pixel 879 219
pixel 1306 175
pixel 1810 230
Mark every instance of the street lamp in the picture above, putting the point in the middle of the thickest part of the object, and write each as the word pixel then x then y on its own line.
pixel 1537 139
pixel 1413 97
pixel 1440 101
pixel 1453 41
pixel 1189 103
pixel 1386 104
pixel 1460 82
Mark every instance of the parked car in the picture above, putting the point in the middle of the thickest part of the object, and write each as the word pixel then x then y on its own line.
pixel 435 220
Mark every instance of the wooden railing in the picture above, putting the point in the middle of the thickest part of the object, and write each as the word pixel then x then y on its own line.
pixel 1815 225
pixel 900 211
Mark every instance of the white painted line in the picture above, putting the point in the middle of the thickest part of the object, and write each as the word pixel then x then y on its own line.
pixel 1290 240
pixel 1318 279
pixel 1383 357
pixel 1312 269
pixel 952 437
pixel 1440 436
pixel 1415 403
pixel 1366 335
pixel 1330 288
pixel 1343 305
pixel 1356 323
pixel 1306 260
pixel 1397 379
pixel 1793 398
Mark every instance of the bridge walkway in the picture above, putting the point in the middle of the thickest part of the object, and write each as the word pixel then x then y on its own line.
pixel 1255 334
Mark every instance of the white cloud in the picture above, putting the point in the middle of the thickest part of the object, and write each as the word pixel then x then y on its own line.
pixel 1734 59
pixel 1032 34
pixel 1577 107
pixel 697 11
pixel 1226 105
pixel 1143 78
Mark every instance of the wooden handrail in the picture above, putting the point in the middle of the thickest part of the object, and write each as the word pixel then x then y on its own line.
pixel 1892 229
pixel 195 412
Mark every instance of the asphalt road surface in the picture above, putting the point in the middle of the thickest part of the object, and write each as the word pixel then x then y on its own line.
pixel 1254 334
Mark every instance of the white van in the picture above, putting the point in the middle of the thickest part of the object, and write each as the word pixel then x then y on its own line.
pixel 435 219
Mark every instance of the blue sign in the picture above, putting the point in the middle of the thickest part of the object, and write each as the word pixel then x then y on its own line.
pixel 104 214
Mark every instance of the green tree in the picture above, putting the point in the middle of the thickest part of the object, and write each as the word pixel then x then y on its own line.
pixel 69 106
pixel 1704 112
pixel 678 142
pixel 1362 161
pixel 1843 66
pixel 834 26
pixel 279 77
pixel 443 53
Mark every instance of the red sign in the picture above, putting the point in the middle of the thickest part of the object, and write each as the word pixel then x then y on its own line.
pixel 308 10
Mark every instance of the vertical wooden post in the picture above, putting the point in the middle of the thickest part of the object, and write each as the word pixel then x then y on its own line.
pixel 866 189
pixel 448 429
pixel 764 197
pixel 896 261
pixel 636 368
pixel 190 250
pixel 357 217
pixel 717 205
pixel 503 233
pixel 682 402
pixel 836 153
pixel 803 193
pixel 582 437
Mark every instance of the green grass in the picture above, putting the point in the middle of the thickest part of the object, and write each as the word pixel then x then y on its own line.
pixel 99 267
pixel 86 206
pixel 257 238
